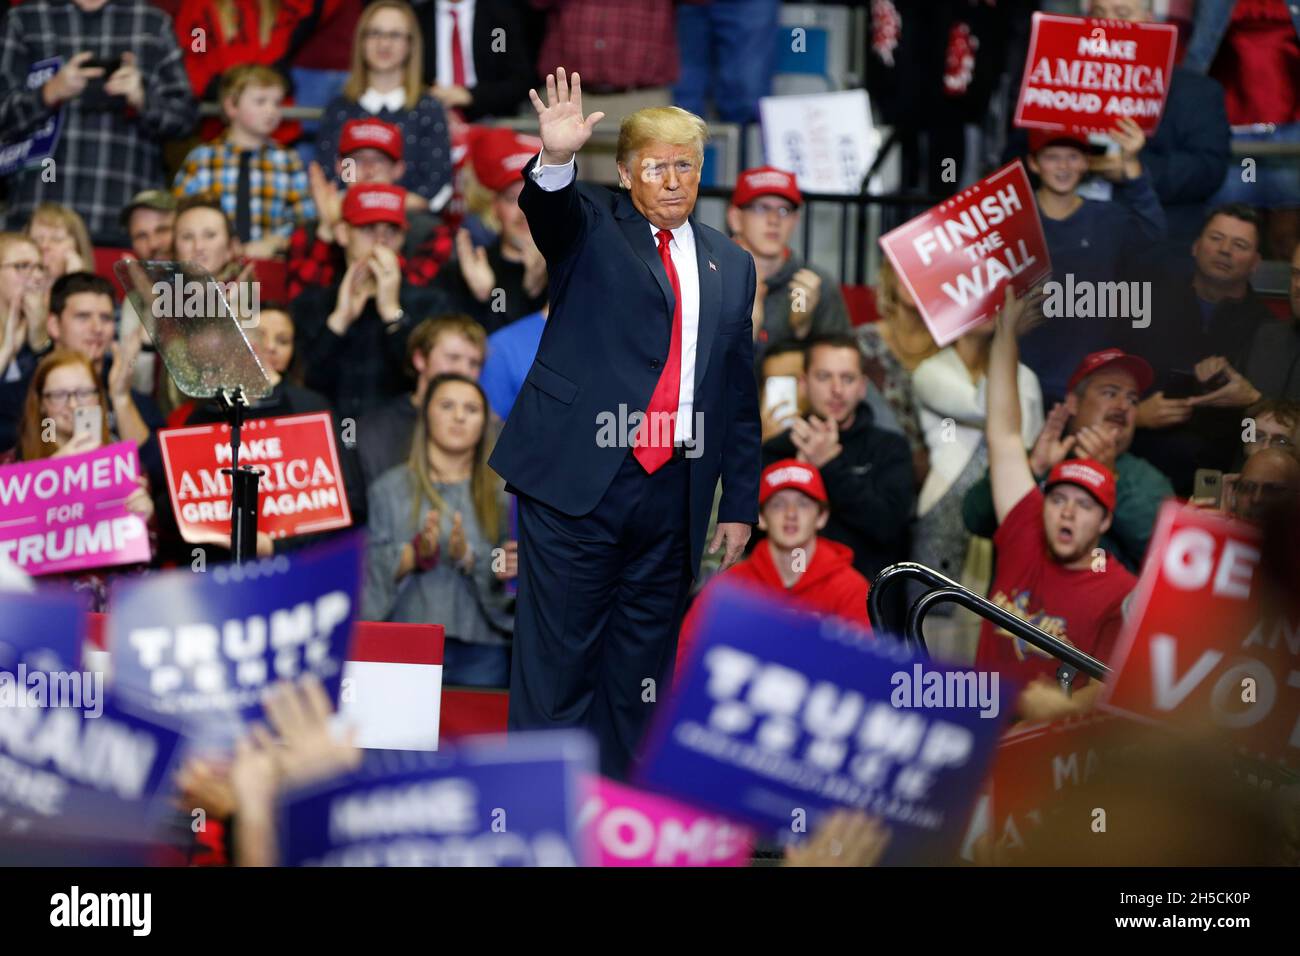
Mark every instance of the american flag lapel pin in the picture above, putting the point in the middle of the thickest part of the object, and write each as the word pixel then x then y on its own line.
pixel 713 265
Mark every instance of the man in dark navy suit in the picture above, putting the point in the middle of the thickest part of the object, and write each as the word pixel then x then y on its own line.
pixel 641 397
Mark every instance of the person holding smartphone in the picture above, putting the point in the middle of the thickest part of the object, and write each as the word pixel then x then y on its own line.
pixel 64 414
pixel 118 78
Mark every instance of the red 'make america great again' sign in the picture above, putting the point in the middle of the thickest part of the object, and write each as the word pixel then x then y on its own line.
pixel 1085 75
pixel 300 492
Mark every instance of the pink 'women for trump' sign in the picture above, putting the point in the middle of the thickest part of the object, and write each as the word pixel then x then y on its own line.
pixel 69 513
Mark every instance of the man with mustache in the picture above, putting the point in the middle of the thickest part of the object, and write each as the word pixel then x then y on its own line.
pixel 1199 334
pixel 1097 420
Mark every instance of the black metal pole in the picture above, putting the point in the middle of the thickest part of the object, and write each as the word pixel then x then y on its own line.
pixel 1068 655
pixel 885 579
pixel 243 488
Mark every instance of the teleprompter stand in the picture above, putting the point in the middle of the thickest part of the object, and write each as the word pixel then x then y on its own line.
pixel 197 326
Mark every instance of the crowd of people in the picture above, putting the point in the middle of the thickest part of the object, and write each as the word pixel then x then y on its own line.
pixel 1028 459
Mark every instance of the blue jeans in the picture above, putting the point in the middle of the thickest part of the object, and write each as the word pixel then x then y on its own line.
pixel 1276 182
pixel 475 665
pixel 728 53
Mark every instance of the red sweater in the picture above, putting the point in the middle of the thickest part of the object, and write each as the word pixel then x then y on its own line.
pixel 829 585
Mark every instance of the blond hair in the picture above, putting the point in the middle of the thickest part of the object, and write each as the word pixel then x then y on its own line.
pixel 240 78
pixel 661 124
pixel 484 484
pixel 359 74
pixel 56 214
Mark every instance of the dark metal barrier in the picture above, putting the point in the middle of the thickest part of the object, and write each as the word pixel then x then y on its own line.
pixel 903 571
pixel 943 590
pixel 1072 659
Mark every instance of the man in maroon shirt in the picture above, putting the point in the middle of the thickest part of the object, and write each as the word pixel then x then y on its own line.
pixel 1051 570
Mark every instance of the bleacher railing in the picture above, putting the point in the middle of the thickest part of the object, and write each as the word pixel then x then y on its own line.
pixel 943 590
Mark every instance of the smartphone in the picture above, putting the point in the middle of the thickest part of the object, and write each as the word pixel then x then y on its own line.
pixel 88 420
pixel 1207 487
pixel 94 95
pixel 109 64
pixel 1184 384
pixel 781 398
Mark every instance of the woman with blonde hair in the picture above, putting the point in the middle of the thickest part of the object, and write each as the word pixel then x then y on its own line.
pixel 385 82
pixel 24 301
pixel 438 537
pixel 63 239
pixel 895 345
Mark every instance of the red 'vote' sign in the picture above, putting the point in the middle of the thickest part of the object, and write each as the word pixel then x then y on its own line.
pixel 1196 650
pixel 300 491
pixel 1086 75
pixel 957 258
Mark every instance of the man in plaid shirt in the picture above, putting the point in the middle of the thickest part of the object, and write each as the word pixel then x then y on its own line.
pixel 109 147
pixel 262 186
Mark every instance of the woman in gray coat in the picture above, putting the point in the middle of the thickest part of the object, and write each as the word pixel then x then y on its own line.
pixel 439 529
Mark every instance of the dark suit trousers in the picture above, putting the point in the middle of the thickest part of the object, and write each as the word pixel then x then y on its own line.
pixel 600 602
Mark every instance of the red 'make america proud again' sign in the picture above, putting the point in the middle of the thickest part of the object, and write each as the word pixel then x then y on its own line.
pixel 1085 75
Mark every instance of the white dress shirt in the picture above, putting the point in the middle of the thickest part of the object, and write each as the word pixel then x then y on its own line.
pixel 372 101
pixel 465 23
pixel 682 249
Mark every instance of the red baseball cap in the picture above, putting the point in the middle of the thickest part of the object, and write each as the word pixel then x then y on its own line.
pixel 765 181
pixel 365 203
pixel 499 156
pixel 1138 367
pixel 1092 476
pixel 790 473
pixel 1040 139
pixel 371 134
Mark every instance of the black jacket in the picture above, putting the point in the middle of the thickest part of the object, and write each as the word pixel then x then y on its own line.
pixel 1179 336
pixel 503 75
pixel 871 491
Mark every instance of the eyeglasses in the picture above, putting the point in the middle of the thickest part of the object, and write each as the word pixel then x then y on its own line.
pixel 61 396
pixel 782 212
pixel 24 268
pixel 396 36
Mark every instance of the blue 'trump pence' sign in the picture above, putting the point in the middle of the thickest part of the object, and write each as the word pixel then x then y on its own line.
pixel 782 712
pixel 489 801
pixel 204 647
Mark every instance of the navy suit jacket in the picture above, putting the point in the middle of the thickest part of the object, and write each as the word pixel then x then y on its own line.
pixel 603 347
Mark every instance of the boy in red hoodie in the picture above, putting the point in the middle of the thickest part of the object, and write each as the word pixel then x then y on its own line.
pixel 815 573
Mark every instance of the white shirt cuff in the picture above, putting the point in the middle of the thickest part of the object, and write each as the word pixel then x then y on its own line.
pixel 552 178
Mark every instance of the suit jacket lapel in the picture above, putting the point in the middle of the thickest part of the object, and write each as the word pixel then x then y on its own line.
pixel 710 302
pixel 637 229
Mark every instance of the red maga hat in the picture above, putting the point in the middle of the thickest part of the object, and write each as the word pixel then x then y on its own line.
pixel 365 203
pixel 1092 476
pixel 371 134
pixel 1139 368
pixel 1040 139
pixel 765 181
pixel 790 473
pixel 499 156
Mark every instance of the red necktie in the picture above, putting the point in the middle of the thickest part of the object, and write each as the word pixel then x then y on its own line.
pixel 663 403
pixel 457 54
